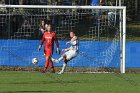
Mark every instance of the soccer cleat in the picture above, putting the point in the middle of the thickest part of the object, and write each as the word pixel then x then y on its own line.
pixel 43 71
pixel 54 60
pixel 52 70
pixel 61 72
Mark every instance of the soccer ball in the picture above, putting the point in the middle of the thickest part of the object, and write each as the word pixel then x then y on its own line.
pixel 34 60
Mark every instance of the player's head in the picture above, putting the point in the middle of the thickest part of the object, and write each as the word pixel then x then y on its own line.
pixel 43 22
pixel 72 33
pixel 48 27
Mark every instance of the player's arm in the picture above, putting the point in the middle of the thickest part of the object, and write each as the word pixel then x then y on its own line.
pixel 70 48
pixel 57 44
pixel 42 41
pixel 73 39
pixel 56 41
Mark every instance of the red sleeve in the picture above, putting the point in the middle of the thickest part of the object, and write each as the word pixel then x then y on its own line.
pixel 43 39
pixel 56 40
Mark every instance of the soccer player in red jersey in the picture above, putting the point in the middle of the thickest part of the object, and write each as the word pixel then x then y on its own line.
pixel 49 37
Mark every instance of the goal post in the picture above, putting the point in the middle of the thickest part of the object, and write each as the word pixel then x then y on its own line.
pixel 124 41
pixel 101 31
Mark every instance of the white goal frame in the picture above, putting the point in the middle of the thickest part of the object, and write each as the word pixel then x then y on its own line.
pixel 122 23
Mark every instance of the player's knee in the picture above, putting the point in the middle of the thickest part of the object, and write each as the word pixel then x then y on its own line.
pixel 68 59
pixel 63 55
pixel 47 57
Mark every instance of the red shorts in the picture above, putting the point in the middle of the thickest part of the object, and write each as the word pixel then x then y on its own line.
pixel 48 52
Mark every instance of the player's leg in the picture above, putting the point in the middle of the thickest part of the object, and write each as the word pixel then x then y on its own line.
pixel 69 56
pixel 46 64
pixel 49 54
pixel 62 57
pixel 64 66
pixel 51 66
pixel 59 59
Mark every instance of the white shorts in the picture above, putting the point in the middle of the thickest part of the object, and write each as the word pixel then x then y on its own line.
pixel 71 54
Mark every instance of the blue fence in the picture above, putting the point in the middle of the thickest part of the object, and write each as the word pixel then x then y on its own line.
pixel 133 54
pixel 21 52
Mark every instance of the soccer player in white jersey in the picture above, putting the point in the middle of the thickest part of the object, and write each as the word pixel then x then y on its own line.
pixel 69 53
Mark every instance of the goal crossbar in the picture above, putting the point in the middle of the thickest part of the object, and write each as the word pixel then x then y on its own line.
pixel 64 7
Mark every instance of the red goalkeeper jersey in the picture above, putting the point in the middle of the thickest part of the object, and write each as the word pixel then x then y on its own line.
pixel 49 38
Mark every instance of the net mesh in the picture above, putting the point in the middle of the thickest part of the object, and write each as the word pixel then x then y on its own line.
pixel 97 29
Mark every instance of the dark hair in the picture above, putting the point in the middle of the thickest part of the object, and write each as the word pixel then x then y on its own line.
pixel 45 21
pixel 41 23
pixel 50 25
pixel 73 31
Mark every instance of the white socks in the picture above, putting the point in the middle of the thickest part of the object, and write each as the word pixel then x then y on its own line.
pixel 57 60
pixel 61 58
pixel 63 68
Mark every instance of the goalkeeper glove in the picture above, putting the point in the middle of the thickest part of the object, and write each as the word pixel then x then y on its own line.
pixel 39 47
pixel 58 51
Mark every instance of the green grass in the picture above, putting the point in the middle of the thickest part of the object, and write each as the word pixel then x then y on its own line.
pixel 36 82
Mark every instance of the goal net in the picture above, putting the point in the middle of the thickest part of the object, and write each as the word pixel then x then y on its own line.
pixel 100 29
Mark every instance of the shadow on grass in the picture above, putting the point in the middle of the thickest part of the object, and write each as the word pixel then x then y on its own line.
pixel 38 91
pixel 42 82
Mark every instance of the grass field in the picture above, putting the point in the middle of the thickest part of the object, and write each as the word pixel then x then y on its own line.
pixel 36 82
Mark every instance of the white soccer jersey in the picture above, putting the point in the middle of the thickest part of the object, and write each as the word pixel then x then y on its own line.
pixel 73 49
pixel 75 45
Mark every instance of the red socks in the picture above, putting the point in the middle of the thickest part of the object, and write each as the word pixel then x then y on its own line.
pixel 49 62
pixel 51 66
